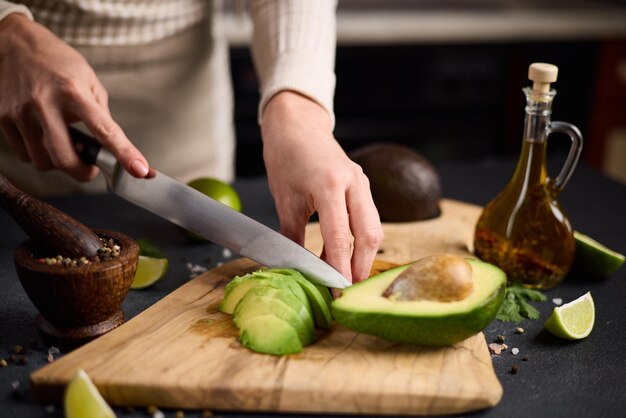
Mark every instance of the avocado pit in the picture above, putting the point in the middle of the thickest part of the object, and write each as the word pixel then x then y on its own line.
pixel 439 277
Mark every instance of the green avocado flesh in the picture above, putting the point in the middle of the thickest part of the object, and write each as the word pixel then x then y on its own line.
pixel 286 300
pixel 240 285
pixel 270 334
pixel 363 308
pixel 325 292
pixel 318 296
pixel 319 304
pixel 263 300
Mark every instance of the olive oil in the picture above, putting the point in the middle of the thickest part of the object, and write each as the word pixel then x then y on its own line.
pixel 524 230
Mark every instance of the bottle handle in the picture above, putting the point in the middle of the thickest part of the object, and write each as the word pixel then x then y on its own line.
pixel 574 152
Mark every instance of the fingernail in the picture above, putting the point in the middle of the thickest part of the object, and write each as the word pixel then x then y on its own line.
pixel 139 169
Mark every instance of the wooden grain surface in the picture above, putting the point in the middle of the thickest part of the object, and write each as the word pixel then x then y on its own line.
pixel 183 353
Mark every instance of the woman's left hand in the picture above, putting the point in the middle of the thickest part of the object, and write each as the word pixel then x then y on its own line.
pixel 308 172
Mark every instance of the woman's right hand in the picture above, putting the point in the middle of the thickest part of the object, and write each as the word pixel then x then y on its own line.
pixel 46 85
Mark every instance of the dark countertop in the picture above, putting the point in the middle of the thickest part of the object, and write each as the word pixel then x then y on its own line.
pixel 561 378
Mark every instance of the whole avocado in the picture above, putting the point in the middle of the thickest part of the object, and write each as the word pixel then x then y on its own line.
pixel 405 186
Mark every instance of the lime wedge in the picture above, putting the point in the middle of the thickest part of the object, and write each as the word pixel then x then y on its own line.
pixel 593 258
pixel 149 271
pixel 82 399
pixel 573 320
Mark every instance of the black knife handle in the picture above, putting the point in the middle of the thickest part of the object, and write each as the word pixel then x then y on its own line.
pixel 85 145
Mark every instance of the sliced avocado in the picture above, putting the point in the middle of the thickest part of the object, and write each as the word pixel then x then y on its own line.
pixel 269 334
pixel 240 285
pixel 325 291
pixel 321 310
pixel 363 308
pixel 319 304
pixel 262 300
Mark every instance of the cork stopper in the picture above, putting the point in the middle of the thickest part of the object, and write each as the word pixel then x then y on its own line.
pixel 542 74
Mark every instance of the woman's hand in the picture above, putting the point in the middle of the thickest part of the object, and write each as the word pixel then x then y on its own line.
pixel 45 85
pixel 308 171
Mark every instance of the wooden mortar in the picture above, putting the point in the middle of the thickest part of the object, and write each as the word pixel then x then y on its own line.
pixel 77 303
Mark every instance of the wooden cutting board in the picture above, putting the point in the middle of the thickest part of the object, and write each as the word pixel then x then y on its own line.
pixel 183 353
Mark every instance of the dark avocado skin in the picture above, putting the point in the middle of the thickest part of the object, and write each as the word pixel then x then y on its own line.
pixel 433 331
pixel 404 184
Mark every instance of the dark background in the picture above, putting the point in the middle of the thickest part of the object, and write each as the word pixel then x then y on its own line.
pixel 450 101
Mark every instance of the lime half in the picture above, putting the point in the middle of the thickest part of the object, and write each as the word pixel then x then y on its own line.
pixel 593 258
pixel 218 190
pixel 573 320
pixel 149 271
pixel 82 399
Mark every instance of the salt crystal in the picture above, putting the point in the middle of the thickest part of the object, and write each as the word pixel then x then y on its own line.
pixel 226 253
pixel 195 269
pixel 52 351
pixel 15 384
pixel 515 351
pixel 557 301
pixel 496 348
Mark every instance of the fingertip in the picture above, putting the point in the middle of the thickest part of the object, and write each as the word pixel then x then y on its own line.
pixel 139 168
pixel 86 173
pixel 92 172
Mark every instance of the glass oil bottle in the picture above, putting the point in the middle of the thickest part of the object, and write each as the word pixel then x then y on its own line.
pixel 523 230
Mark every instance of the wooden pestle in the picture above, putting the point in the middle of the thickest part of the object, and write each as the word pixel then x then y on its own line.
pixel 46 225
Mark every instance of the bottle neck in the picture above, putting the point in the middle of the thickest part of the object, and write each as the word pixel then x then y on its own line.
pixel 531 167
pixel 538 112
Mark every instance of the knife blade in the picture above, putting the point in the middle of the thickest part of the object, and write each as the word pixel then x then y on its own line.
pixel 198 213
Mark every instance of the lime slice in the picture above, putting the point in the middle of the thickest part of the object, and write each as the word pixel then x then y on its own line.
pixel 573 320
pixel 82 399
pixel 149 271
pixel 593 258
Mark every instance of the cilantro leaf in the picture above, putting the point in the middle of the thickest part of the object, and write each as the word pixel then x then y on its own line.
pixel 528 310
pixel 515 307
pixel 530 294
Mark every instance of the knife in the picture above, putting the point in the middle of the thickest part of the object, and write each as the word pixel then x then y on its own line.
pixel 206 217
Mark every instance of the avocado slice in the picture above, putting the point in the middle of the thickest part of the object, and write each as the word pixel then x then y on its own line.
pixel 319 304
pixel 269 334
pixel 325 291
pixel 321 308
pixel 240 285
pixel 262 300
pixel 363 308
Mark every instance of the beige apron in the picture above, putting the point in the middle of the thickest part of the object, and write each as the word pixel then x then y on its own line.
pixel 172 98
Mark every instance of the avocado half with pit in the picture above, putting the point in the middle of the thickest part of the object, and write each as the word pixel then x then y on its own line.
pixel 364 308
